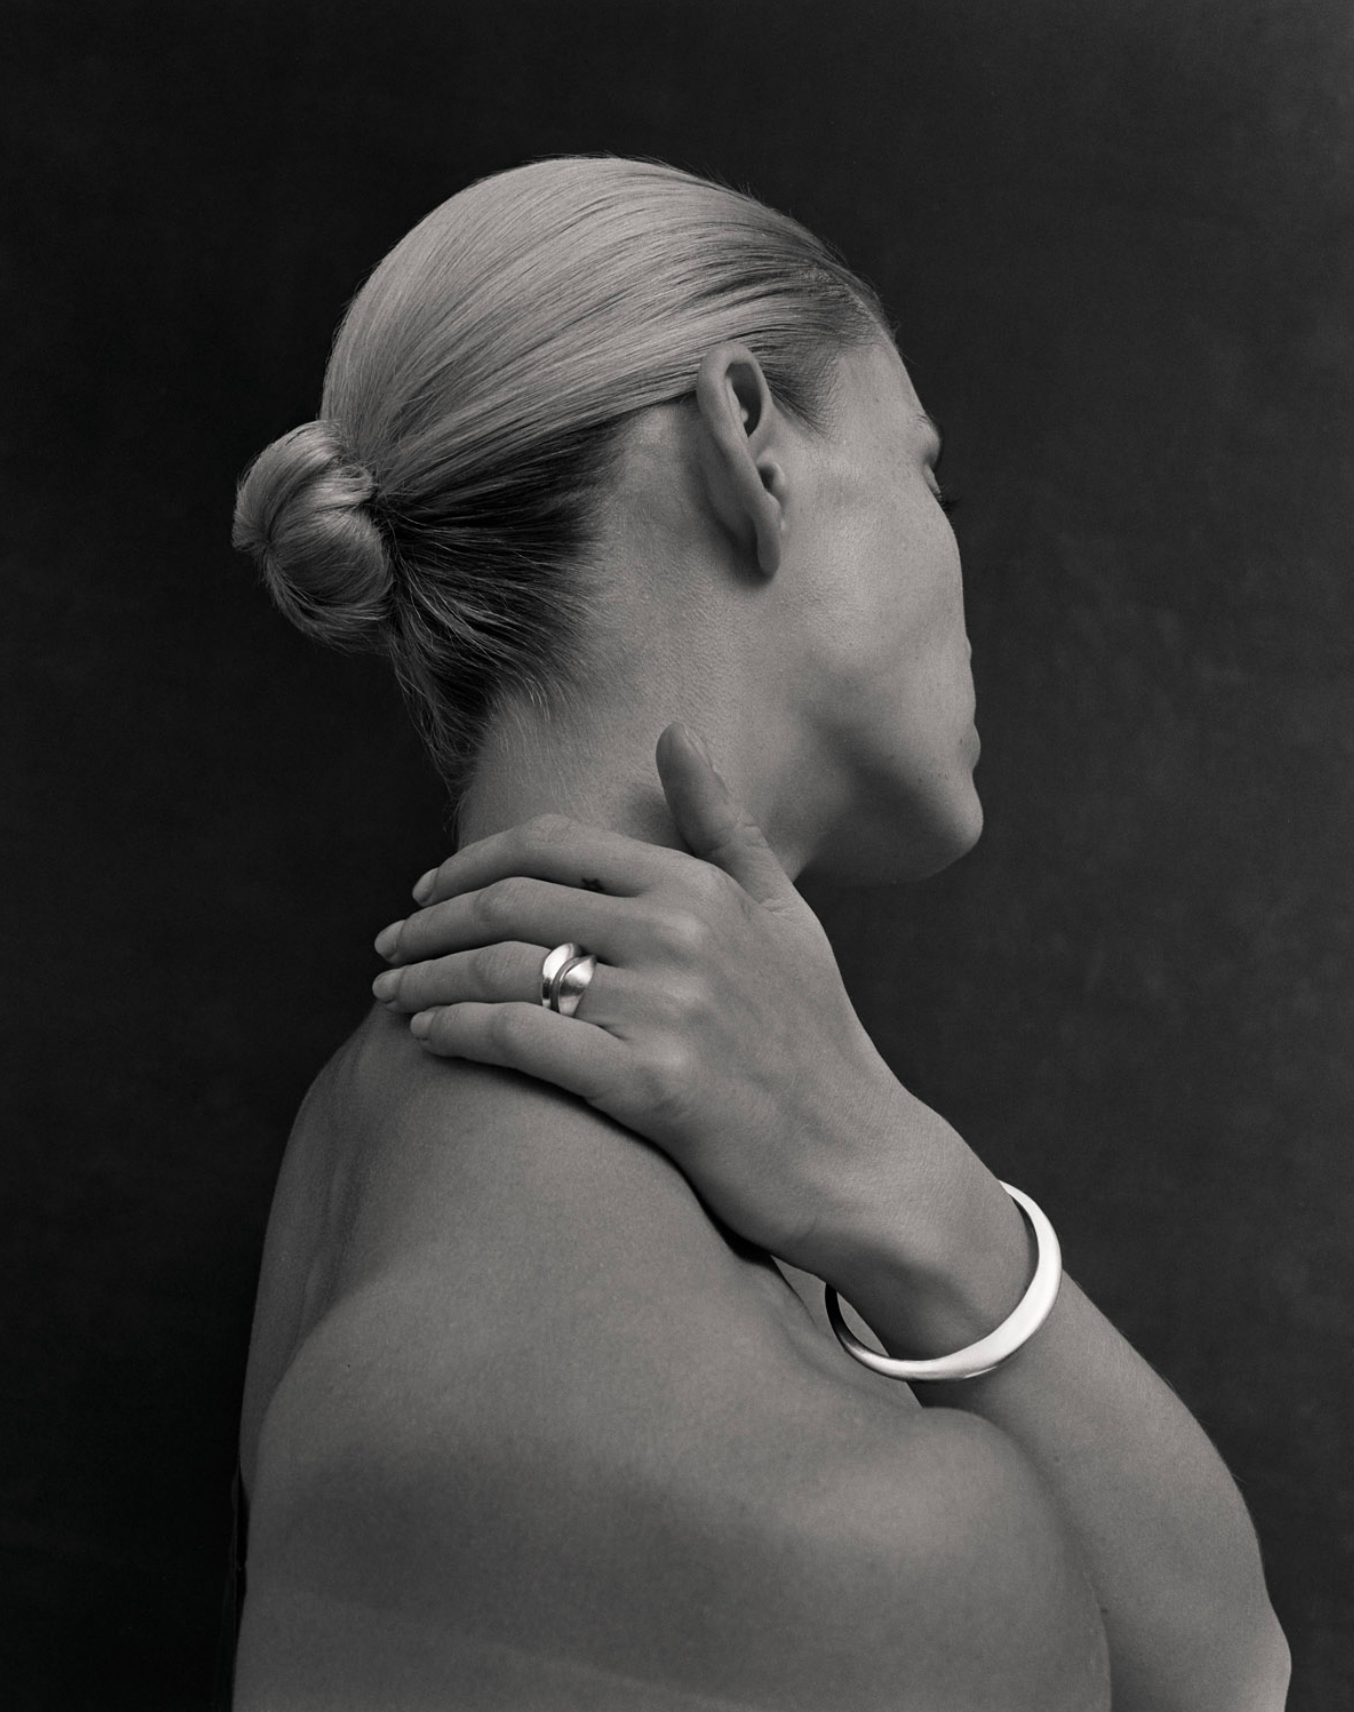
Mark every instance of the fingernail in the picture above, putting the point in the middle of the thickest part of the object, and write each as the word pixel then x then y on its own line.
pixel 421 1026
pixel 387 985
pixel 423 890
pixel 387 939
pixel 700 744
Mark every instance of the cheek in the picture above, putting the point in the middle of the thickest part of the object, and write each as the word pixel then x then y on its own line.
pixel 888 623
pixel 921 612
pixel 923 679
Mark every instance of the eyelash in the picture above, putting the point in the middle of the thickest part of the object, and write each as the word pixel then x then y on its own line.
pixel 946 501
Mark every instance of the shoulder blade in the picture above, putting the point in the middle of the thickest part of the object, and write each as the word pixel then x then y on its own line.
pixel 736 1528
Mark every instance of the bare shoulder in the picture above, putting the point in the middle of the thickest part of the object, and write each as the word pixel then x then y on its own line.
pixel 559 1443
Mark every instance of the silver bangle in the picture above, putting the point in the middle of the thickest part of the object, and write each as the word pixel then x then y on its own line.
pixel 998 1346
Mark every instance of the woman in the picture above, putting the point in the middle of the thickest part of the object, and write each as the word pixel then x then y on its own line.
pixel 532 1418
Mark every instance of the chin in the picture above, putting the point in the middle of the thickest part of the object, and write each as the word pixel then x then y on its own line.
pixel 886 844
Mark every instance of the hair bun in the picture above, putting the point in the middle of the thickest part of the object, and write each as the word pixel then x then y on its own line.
pixel 303 512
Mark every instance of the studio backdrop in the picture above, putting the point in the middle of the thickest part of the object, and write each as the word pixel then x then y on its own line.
pixel 1118 243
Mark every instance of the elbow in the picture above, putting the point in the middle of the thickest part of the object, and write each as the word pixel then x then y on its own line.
pixel 1208 1654
pixel 1218 1622
pixel 1246 1668
pixel 1257 1653
pixel 1273 1666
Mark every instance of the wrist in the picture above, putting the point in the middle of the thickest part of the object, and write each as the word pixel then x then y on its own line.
pixel 928 1247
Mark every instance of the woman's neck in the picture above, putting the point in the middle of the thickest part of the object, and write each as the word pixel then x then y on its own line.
pixel 685 638
pixel 533 763
pixel 595 763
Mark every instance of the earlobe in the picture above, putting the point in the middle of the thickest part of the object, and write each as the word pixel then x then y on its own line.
pixel 741 451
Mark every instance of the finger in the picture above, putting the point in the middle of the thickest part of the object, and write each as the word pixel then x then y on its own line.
pixel 714 824
pixel 500 974
pixel 488 974
pixel 552 847
pixel 563 1050
pixel 517 908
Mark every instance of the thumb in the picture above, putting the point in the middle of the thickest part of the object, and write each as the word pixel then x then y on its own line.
pixel 713 823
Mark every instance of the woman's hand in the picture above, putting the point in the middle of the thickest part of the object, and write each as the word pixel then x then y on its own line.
pixel 716 1025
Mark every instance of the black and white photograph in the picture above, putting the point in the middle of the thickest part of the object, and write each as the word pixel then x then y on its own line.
pixel 679 856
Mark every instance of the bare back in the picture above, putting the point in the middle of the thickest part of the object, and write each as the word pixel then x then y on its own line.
pixel 512 1193
pixel 524 1426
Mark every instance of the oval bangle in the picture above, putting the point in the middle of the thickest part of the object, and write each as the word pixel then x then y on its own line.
pixel 998 1346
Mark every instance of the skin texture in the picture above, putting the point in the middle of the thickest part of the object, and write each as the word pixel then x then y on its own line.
pixel 630 1463
pixel 532 1418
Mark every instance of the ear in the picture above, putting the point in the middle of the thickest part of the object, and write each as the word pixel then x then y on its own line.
pixel 742 451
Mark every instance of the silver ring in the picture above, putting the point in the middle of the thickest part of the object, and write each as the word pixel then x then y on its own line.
pixel 572 982
pixel 552 968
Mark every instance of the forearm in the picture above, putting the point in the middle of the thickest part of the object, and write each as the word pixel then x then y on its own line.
pixel 1167 1542
pixel 1162 1528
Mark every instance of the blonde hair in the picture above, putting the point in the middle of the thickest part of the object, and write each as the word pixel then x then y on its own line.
pixel 439 509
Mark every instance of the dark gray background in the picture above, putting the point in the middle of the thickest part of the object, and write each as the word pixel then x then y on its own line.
pixel 1118 241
